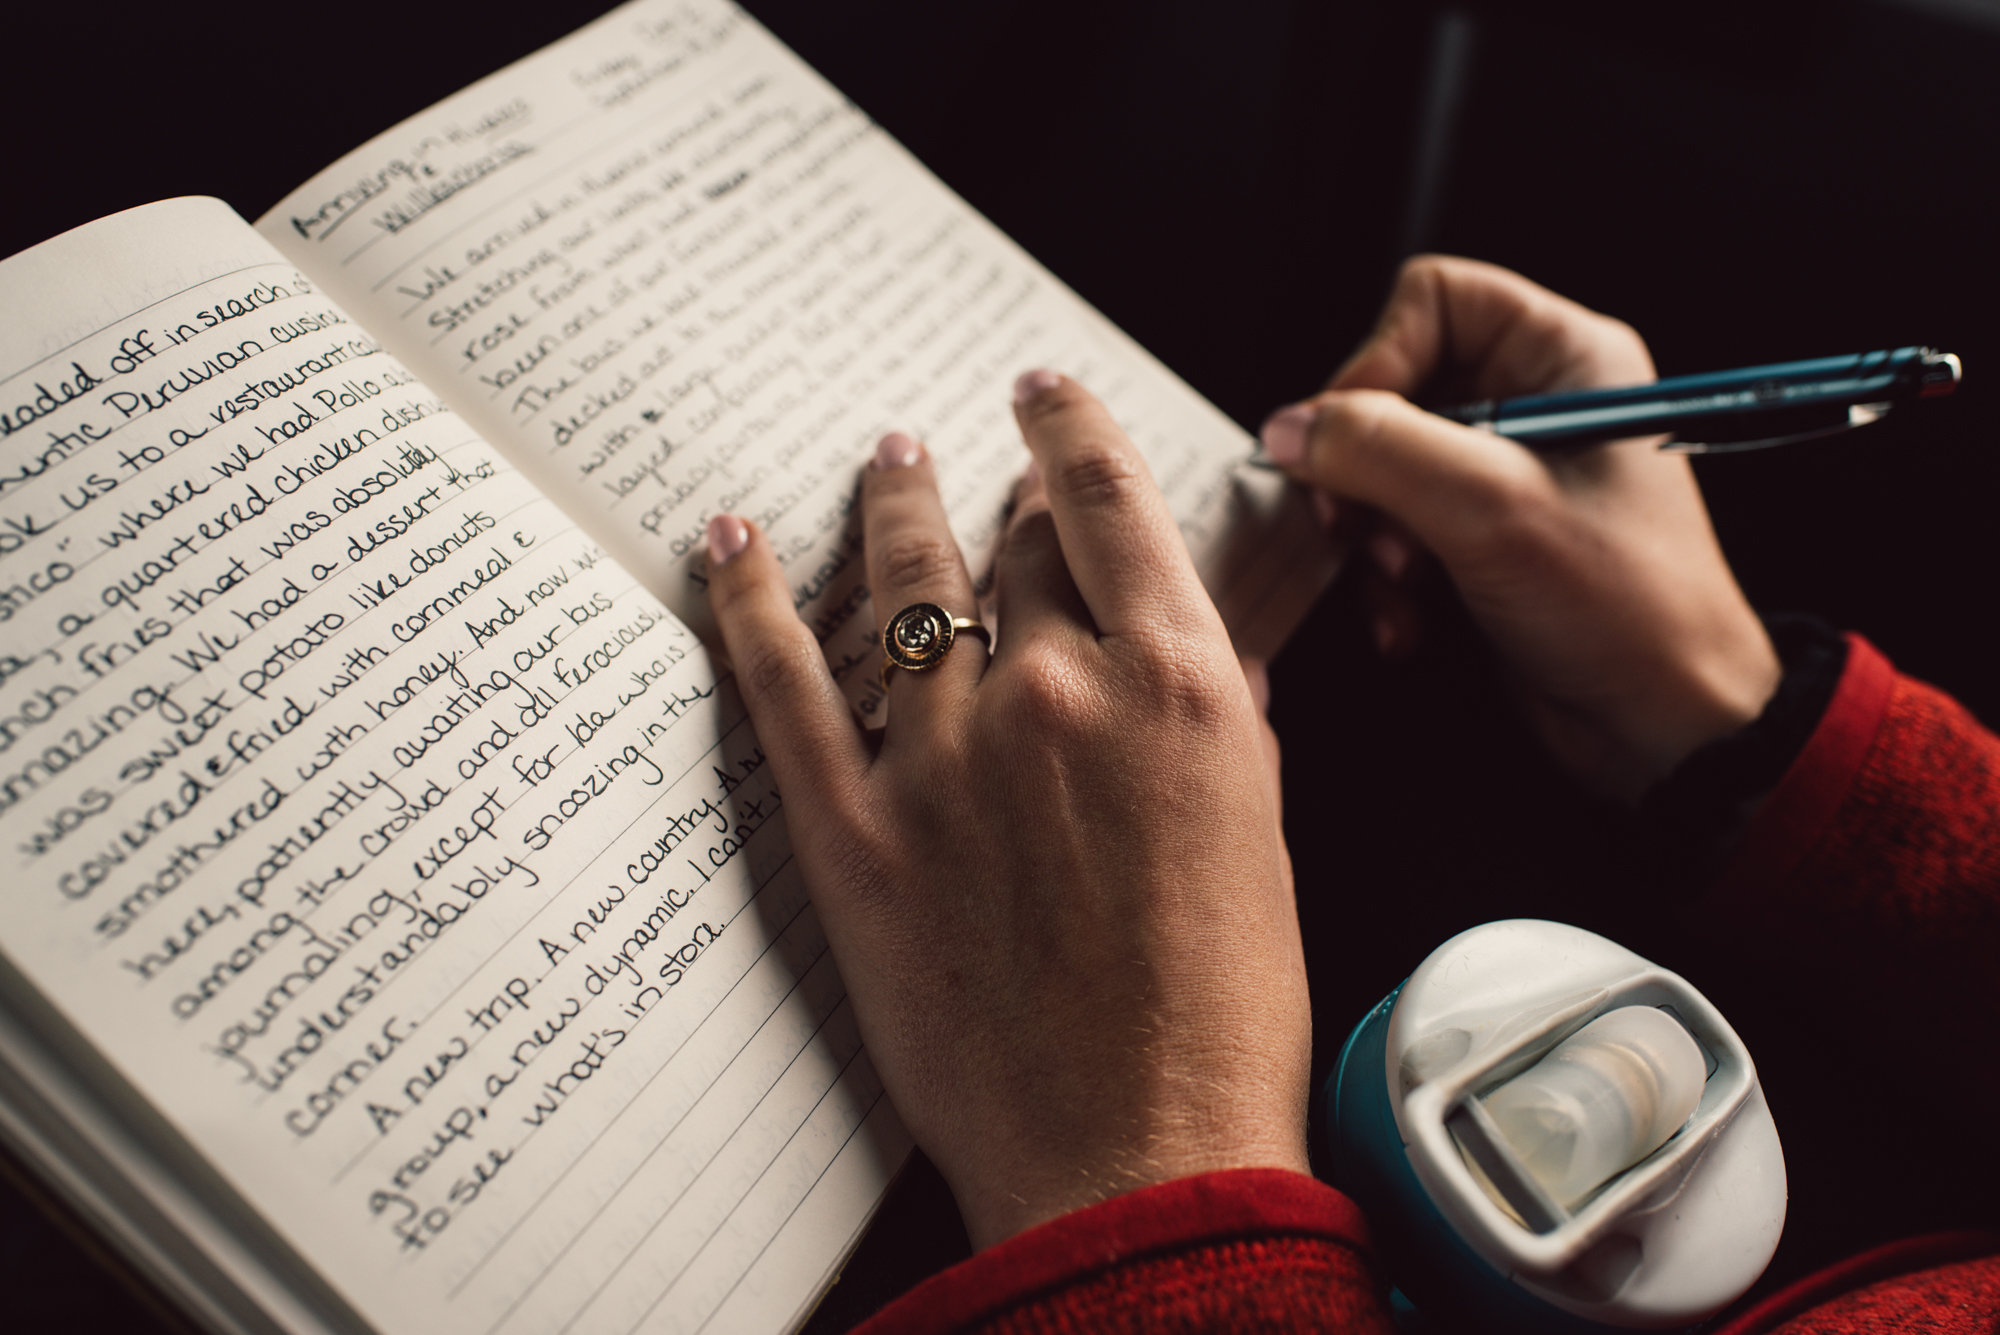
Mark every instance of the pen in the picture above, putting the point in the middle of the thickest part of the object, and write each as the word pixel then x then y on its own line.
pixel 1747 409
pixel 1751 408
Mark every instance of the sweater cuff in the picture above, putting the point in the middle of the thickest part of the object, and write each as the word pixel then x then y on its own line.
pixel 1697 814
pixel 1178 1216
pixel 1798 812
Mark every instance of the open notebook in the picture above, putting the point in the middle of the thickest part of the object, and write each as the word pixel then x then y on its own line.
pixel 402 933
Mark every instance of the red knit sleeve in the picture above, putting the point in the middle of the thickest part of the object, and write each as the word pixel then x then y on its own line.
pixel 1943 1284
pixel 1879 853
pixel 1252 1249
pixel 1861 916
pixel 1893 801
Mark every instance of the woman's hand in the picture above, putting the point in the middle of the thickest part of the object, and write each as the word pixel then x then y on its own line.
pixel 1596 574
pixel 1055 882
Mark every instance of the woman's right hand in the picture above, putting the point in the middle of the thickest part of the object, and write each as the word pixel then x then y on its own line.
pixel 1596 574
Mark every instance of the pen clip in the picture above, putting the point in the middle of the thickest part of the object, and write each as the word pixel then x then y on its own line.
pixel 1858 414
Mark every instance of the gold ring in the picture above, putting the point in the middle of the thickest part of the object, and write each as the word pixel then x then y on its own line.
pixel 918 637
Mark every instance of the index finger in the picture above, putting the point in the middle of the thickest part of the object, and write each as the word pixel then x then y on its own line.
pixel 799 714
pixel 1121 544
pixel 1509 335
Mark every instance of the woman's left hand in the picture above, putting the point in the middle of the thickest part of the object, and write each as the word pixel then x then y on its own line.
pixel 1055 882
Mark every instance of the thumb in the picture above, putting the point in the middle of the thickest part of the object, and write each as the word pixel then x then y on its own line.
pixel 1453 486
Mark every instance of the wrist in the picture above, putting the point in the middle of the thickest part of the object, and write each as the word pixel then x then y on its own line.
pixel 999 1208
pixel 1007 1181
pixel 1696 812
pixel 1643 721
pixel 1727 692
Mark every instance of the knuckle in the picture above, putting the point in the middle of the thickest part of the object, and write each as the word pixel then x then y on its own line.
pixel 1427 280
pixel 1358 419
pixel 778 664
pixel 1165 687
pixel 729 591
pixel 1051 692
pixel 1622 340
pixel 1097 474
pixel 1190 687
pixel 1614 327
pixel 917 560
pixel 1420 273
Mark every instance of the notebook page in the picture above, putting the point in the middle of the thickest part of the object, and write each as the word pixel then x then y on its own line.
pixel 670 271
pixel 384 834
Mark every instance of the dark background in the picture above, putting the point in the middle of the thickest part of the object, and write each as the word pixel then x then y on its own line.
pixel 1744 182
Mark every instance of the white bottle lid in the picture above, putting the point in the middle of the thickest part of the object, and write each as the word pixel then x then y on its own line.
pixel 1603 1099
pixel 1675 1233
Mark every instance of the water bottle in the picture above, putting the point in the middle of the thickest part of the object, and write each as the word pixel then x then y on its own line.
pixel 1549 1133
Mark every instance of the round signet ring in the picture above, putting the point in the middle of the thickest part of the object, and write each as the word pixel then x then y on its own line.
pixel 918 637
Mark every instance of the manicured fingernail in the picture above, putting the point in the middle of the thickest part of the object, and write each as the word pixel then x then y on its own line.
pixel 1325 509
pixel 1033 383
pixel 1391 553
pixel 1284 434
pixel 727 535
pixel 897 451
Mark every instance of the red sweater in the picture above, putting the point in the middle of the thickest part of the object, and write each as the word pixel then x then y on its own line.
pixel 1881 848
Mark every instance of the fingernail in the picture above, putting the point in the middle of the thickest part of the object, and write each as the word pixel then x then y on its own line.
pixel 727 535
pixel 1284 434
pixel 1033 383
pixel 1033 474
pixel 897 451
pixel 1325 509
pixel 1391 553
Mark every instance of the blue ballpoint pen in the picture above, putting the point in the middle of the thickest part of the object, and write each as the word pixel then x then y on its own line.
pixel 1720 412
pixel 1748 409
